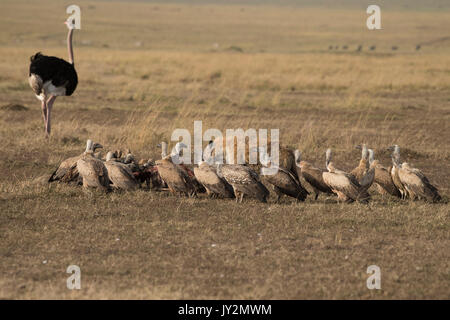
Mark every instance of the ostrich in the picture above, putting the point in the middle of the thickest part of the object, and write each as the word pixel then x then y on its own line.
pixel 50 77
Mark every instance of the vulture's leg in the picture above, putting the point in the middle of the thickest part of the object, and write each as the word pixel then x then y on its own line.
pixel 50 102
pixel 278 198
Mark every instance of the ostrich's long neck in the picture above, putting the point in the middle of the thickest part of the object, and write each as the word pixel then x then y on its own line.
pixel 69 45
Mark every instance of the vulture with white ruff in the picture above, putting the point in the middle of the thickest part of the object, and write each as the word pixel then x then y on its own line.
pixel 344 184
pixel 176 178
pixel 67 170
pixel 414 184
pixel 93 171
pixel 215 186
pixel 312 175
pixel 244 180
pixel 363 166
pixel 383 180
pixel 120 174
pixel 282 181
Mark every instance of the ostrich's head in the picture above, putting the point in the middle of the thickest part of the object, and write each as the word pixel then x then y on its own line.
pixel 70 24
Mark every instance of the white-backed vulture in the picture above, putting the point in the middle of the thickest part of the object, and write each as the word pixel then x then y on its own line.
pixel 417 184
pixel 118 154
pixel 229 145
pixel 413 183
pixel 367 179
pixel 175 158
pixel 344 184
pixel 199 188
pixel 215 186
pixel 163 145
pixel 396 166
pixel 121 156
pixel 177 180
pixel 148 173
pixel 67 170
pixel 312 175
pixel 282 181
pixel 287 161
pixel 93 171
pixel 244 180
pixel 120 174
pixel 176 177
pixel 129 158
pixel 383 179
pixel 130 161
pixel 363 166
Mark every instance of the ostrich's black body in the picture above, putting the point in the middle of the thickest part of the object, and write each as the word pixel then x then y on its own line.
pixel 60 72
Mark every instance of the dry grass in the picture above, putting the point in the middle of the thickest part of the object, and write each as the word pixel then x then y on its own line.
pixel 156 68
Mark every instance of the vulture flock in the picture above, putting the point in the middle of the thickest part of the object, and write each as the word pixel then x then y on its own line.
pixel 120 171
pixel 50 77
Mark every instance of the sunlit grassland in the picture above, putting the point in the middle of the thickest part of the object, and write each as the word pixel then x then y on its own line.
pixel 148 68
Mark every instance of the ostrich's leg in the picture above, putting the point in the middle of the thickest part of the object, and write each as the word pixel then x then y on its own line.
pixel 44 112
pixel 50 102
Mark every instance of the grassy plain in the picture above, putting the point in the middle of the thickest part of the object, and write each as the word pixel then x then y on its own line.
pixel 146 68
